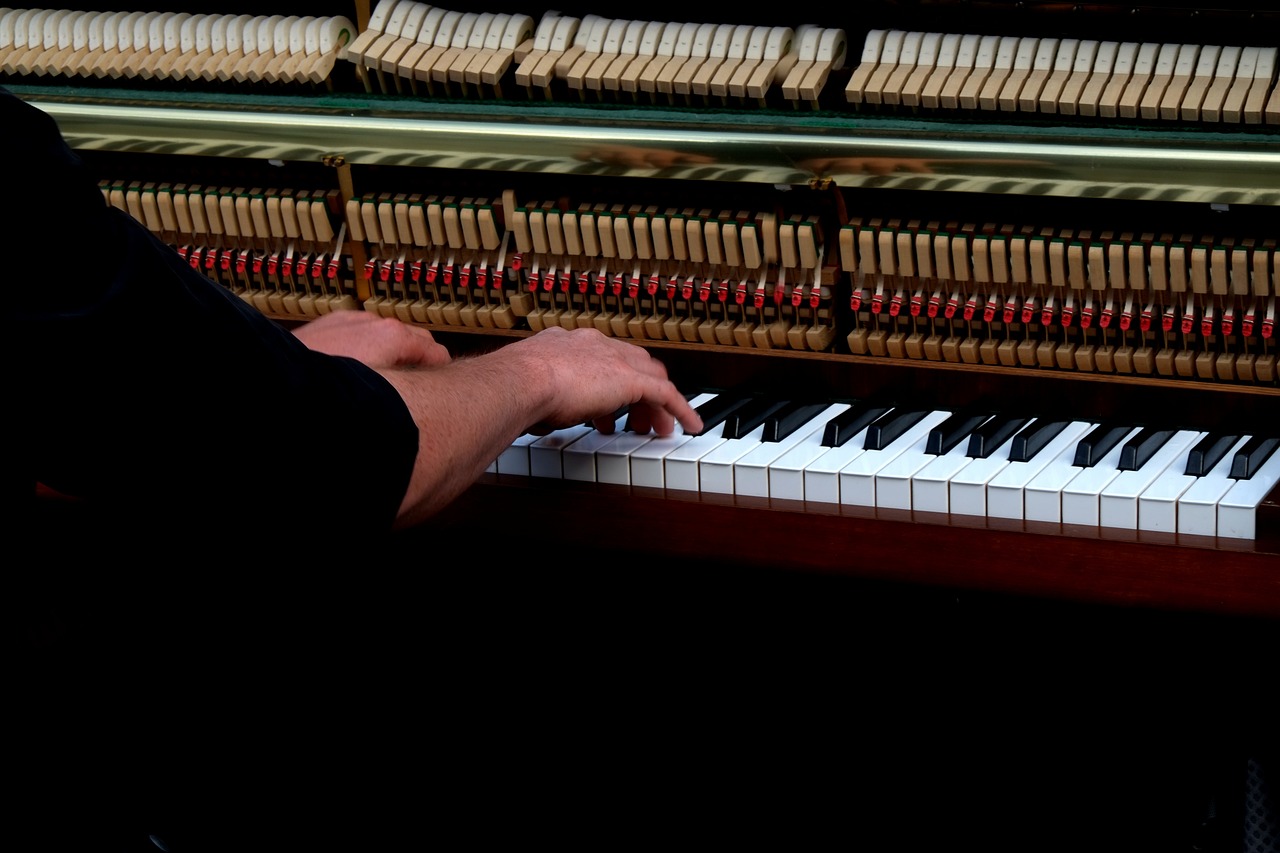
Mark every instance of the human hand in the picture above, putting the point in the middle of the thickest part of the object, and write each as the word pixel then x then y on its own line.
pixel 379 342
pixel 595 375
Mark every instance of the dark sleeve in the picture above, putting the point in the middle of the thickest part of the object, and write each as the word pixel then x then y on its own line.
pixel 152 389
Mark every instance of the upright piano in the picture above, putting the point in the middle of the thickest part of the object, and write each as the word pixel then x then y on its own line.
pixel 1021 225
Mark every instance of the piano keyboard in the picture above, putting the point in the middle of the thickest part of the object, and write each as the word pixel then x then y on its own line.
pixel 1075 473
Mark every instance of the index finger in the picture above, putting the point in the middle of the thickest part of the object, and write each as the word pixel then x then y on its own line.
pixel 661 417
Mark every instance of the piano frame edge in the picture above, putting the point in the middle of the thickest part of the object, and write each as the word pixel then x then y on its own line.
pixel 1117 568
pixel 1242 169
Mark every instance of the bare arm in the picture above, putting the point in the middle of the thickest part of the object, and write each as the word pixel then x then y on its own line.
pixel 470 410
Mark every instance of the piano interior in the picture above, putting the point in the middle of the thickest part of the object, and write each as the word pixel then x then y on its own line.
pixel 1064 212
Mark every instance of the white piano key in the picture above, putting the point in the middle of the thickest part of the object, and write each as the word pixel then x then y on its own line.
pixel 822 475
pixel 649 460
pixel 1197 509
pixel 968 488
pixel 715 467
pixel 810 470
pixel 1119 500
pixel 515 459
pixel 546 454
pixel 857 479
pixel 929 486
pixel 1238 509
pixel 1007 490
pixel 896 482
pixel 930 490
pixel 1042 497
pixel 680 465
pixel 751 472
pixel 1158 508
pixel 786 473
pixel 613 460
pixel 579 458
pixel 1158 503
pixel 1081 498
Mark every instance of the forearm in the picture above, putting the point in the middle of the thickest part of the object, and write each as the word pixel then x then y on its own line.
pixel 467 413
pixel 470 410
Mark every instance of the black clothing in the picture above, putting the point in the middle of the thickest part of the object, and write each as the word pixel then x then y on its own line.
pixel 147 387
pixel 193 611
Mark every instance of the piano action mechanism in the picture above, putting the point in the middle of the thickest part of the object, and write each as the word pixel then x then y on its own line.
pixel 997 210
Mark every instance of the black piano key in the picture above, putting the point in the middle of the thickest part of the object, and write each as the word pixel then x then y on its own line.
pixel 1033 438
pixel 1098 442
pixel 1249 458
pixel 890 427
pixel 995 432
pixel 1138 450
pixel 954 430
pixel 743 420
pixel 715 410
pixel 791 418
pixel 850 422
pixel 1208 452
